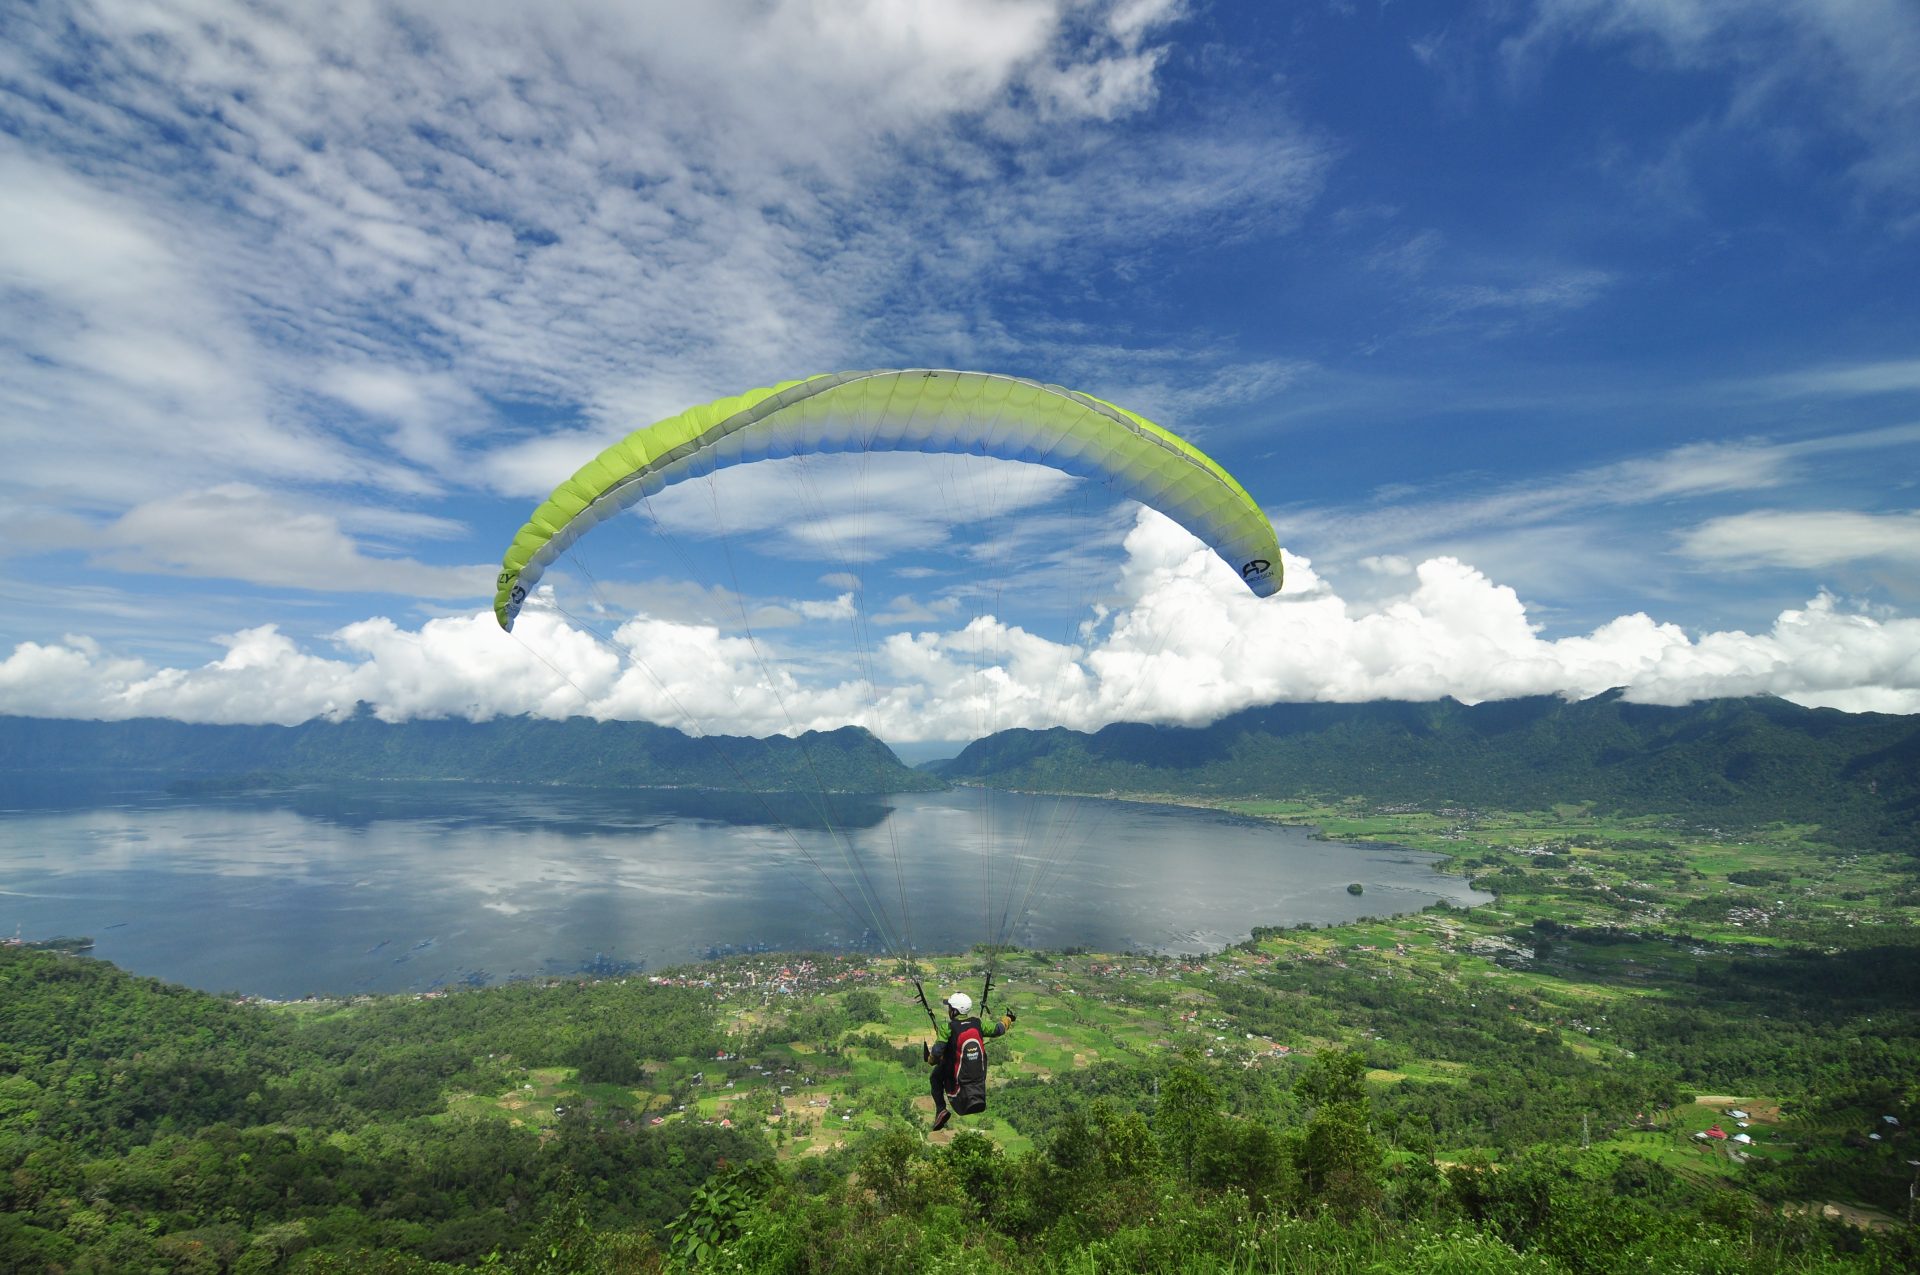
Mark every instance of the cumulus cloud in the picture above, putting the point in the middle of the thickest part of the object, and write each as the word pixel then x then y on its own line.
pixel 1542 532
pixel 1187 644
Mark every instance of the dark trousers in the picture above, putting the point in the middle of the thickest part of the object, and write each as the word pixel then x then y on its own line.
pixel 939 1085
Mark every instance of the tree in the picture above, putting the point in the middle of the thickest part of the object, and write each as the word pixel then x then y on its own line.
pixel 1189 1106
pixel 1340 1161
pixel 1338 1076
pixel 605 1059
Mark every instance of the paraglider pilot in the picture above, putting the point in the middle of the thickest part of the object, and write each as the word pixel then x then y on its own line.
pixel 960 1060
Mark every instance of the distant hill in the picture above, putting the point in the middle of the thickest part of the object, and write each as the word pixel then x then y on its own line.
pixel 1857 775
pixel 508 749
pixel 1737 761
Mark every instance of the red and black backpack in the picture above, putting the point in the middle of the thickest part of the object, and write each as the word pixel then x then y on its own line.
pixel 967 1089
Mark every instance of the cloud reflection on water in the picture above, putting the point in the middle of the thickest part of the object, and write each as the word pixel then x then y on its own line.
pixel 388 887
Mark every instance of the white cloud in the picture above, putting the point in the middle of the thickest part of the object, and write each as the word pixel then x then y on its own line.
pixel 239 532
pixel 73 678
pixel 1562 535
pixel 632 201
pixel 1188 645
pixel 1549 291
pixel 1407 516
pixel 423 412
pixel 122 371
pixel 1888 376
pixel 853 508
pixel 841 608
pixel 1842 65
pixel 302 248
pixel 1810 538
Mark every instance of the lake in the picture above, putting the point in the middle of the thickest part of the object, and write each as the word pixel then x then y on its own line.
pixel 393 887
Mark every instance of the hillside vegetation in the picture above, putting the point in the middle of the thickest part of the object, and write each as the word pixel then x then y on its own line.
pixel 516 750
pixel 1528 1086
pixel 1856 776
pixel 1681 1038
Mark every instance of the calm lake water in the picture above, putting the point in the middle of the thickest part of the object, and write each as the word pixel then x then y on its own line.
pixel 391 887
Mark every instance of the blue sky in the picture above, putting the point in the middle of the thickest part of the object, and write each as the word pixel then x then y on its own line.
pixel 1569 344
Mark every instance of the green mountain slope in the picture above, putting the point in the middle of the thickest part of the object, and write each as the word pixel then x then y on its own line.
pixel 1746 760
pixel 508 750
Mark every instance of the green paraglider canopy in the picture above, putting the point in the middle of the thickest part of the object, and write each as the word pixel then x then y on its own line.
pixel 922 410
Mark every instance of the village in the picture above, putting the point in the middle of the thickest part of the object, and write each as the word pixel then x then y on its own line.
pixel 821 1049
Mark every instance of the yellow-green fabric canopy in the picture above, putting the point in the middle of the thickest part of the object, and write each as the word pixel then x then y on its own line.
pixel 918 409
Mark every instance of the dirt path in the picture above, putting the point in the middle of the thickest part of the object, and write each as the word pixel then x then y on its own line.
pixel 1852 1214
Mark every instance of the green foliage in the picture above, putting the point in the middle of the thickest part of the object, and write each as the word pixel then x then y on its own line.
pixel 607 1058
pixel 712 1216
pixel 1465 1251
pixel 148 1128
pixel 512 750
pixel 1740 762
pixel 864 1006
pixel 1184 1117
pixel 1340 1161
pixel 1338 1076
pixel 134 1114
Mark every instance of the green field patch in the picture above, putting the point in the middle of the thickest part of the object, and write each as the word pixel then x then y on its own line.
pixel 609 1095
pixel 468 1106
pixel 1274 809
pixel 1047 1057
pixel 1693 1160
pixel 1427 1070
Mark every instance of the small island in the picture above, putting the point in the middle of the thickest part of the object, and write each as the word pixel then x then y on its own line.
pixel 59 943
pixel 1356 888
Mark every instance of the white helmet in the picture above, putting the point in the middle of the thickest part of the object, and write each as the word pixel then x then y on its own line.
pixel 960 1002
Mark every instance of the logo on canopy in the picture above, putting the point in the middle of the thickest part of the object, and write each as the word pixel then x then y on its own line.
pixel 1258 569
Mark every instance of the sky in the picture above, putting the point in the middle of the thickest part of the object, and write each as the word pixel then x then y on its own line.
pixel 1568 344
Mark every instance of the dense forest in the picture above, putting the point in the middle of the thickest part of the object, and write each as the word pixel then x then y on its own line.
pixel 1761 760
pixel 148 1128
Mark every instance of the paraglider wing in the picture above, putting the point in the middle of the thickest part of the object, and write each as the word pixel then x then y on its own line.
pixel 920 410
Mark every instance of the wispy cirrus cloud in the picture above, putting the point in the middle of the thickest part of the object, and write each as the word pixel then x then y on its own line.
pixel 1845 380
pixel 1804 538
pixel 1664 517
pixel 293 249
pixel 239 532
pixel 1797 70
pixel 1413 517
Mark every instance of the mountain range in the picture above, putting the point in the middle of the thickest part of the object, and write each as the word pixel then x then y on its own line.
pixel 577 751
pixel 1856 776
pixel 1734 761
